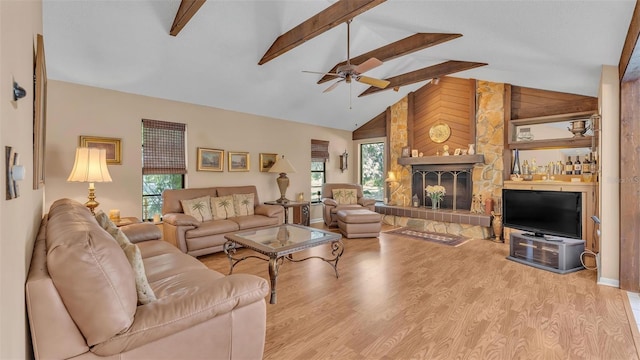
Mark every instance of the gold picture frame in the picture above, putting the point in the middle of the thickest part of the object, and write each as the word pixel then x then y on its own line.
pixel 39 114
pixel 238 161
pixel 113 146
pixel 266 161
pixel 210 159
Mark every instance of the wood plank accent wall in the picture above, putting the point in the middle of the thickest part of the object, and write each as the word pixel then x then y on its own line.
pixel 452 102
pixel 629 186
pixel 529 103
pixel 376 127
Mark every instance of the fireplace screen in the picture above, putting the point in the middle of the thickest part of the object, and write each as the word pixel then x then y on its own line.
pixel 457 182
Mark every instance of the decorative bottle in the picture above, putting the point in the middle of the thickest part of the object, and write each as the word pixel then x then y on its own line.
pixel 568 167
pixel 577 166
pixel 516 163
pixel 472 149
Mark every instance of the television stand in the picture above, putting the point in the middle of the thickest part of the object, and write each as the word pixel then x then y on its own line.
pixel 561 255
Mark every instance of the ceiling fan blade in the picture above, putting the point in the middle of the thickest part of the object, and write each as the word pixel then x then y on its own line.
pixel 373 82
pixel 333 86
pixel 321 73
pixel 368 65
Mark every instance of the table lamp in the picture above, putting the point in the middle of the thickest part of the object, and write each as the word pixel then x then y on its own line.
pixel 90 166
pixel 282 166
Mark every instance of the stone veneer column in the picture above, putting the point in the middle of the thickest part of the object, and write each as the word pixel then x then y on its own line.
pixel 400 191
pixel 487 178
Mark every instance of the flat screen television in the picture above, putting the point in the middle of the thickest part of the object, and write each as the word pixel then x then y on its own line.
pixel 542 213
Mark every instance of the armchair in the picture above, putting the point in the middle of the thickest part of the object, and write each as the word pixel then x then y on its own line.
pixel 331 206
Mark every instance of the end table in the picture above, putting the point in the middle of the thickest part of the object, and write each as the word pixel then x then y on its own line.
pixel 301 212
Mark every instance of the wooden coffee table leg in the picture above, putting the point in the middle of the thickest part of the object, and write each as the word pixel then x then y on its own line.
pixel 273 276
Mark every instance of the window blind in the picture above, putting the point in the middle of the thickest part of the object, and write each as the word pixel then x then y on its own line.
pixel 319 150
pixel 163 147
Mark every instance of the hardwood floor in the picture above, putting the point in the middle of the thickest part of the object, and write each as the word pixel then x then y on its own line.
pixel 403 298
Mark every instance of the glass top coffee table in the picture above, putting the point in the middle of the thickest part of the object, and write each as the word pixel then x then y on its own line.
pixel 281 242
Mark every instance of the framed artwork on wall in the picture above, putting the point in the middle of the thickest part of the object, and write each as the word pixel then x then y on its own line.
pixel 238 161
pixel 39 120
pixel 267 161
pixel 113 147
pixel 210 159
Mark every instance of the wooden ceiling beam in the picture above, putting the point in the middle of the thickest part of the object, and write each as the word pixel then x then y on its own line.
pixel 332 16
pixel 431 72
pixel 397 49
pixel 187 9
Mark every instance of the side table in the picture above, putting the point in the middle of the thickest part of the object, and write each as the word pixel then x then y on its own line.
pixel 301 211
pixel 127 221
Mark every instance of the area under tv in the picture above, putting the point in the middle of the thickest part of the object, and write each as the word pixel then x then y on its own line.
pixel 559 255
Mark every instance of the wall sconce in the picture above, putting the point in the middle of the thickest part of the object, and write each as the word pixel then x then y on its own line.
pixel 435 81
pixel 343 161
pixel 18 91
pixel 14 173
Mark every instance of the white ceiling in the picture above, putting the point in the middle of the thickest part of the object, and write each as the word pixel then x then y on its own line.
pixel 125 45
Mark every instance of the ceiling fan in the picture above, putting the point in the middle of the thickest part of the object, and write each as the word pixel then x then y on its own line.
pixel 348 72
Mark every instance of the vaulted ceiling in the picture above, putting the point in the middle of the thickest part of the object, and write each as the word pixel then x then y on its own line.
pixel 220 55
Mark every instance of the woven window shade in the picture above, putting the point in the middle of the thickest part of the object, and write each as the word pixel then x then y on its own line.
pixel 319 150
pixel 163 147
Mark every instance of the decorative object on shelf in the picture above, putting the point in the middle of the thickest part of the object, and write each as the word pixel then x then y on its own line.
pixel 472 149
pixel 445 150
pixel 300 197
pixel 112 147
pixel 578 127
pixel 439 133
pixel 496 224
pixel 90 166
pixel 210 159
pixel 406 151
pixel 415 200
pixel 421 154
pixel 267 161
pixel 238 161
pixel 457 151
pixel 516 163
pixel 344 161
pixel 283 167
pixel 524 134
pixel 414 153
pixel 436 193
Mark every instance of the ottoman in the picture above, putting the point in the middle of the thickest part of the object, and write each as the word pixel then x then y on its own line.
pixel 359 223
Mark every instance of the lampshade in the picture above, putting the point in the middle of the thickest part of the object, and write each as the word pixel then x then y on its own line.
pixel 391 177
pixel 282 165
pixel 90 166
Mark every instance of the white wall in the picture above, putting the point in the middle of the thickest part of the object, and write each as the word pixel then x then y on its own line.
pixel 609 196
pixel 20 21
pixel 76 110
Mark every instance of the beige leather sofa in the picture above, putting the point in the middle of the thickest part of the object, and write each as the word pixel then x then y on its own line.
pixel 331 206
pixel 82 303
pixel 198 238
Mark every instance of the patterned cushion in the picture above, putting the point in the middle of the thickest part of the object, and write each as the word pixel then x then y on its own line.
pixel 345 196
pixel 145 293
pixel 199 208
pixel 243 204
pixel 222 207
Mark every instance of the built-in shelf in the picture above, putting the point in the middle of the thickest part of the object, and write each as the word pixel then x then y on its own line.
pixel 442 160
pixel 577 142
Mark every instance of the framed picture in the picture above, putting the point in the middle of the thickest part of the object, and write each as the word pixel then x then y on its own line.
pixel 406 151
pixel 267 161
pixel 113 147
pixel 238 161
pixel 457 151
pixel 210 159
pixel 414 153
pixel 39 120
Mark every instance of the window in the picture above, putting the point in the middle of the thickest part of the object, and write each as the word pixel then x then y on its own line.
pixel 372 170
pixel 163 162
pixel 319 157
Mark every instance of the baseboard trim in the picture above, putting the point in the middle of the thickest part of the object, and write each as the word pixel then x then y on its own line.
pixel 609 282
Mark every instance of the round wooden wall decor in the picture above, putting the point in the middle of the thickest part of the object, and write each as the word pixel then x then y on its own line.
pixel 439 133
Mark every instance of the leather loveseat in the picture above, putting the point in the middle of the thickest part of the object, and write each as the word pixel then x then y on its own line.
pixel 198 238
pixel 331 206
pixel 82 301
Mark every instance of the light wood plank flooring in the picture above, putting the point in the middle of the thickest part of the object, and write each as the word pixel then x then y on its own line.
pixel 402 298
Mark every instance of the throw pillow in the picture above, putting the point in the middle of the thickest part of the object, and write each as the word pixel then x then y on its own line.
pixel 145 293
pixel 222 207
pixel 199 208
pixel 243 204
pixel 345 196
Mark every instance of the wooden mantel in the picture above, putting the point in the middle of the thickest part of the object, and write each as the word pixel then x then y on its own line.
pixel 442 160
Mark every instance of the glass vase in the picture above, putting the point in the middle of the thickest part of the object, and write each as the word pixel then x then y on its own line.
pixel 435 203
